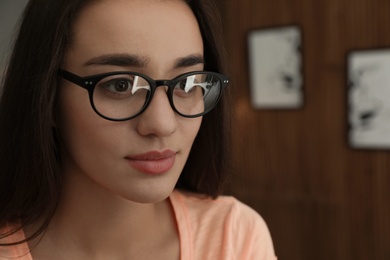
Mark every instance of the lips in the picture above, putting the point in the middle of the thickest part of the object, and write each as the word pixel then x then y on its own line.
pixel 153 162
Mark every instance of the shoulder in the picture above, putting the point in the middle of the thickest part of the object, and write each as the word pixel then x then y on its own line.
pixel 18 251
pixel 232 226
pixel 199 205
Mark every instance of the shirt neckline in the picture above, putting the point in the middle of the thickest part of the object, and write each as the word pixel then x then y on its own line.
pixel 183 225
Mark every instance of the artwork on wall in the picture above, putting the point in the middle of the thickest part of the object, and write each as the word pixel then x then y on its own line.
pixel 275 67
pixel 369 98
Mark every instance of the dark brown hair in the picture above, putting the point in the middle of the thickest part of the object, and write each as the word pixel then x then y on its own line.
pixel 30 175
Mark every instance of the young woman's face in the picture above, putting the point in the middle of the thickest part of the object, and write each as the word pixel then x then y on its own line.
pixel 140 159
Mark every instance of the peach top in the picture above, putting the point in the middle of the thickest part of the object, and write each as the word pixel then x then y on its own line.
pixel 208 229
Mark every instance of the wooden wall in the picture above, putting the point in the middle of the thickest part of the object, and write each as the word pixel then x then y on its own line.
pixel 320 198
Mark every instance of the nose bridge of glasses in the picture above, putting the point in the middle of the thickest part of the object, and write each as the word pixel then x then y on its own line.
pixel 164 82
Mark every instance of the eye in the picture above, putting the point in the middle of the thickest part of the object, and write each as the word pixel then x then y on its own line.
pixel 119 85
pixel 122 85
pixel 182 84
pixel 185 86
pixel 189 83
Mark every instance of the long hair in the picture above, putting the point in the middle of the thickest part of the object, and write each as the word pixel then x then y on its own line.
pixel 30 175
pixel 208 164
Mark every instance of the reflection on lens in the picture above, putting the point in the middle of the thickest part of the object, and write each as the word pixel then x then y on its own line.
pixel 196 93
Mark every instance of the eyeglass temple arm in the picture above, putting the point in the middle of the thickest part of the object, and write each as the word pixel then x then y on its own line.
pixel 73 78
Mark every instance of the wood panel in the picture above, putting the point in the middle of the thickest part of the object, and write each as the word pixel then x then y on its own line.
pixel 321 199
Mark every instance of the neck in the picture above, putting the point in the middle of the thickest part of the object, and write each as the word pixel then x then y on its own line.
pixel 94 223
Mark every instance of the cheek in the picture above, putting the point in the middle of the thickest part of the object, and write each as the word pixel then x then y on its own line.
pixel 78 125
pixel 190 128
pixel 73 112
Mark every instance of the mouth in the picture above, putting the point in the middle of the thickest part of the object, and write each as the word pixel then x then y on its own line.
pixel 153 162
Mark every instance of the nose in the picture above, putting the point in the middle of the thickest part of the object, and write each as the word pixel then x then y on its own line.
pixel 158 119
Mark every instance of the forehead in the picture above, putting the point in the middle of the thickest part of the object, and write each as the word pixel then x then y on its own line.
pixel 144 27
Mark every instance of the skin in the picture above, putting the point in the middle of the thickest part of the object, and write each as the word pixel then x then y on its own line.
pixel 109 209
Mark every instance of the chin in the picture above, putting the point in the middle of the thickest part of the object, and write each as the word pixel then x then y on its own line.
pixel 149 196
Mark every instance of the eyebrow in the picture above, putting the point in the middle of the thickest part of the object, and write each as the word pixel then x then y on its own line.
pixel 189 61
pixel 125 60
pixel 129 60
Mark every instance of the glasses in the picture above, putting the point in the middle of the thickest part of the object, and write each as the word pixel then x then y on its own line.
pixel 120 96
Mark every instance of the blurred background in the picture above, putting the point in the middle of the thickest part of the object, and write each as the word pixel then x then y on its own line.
pixel 322 199
pixel 10 11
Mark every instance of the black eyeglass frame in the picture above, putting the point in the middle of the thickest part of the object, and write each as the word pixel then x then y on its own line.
pixel 89 83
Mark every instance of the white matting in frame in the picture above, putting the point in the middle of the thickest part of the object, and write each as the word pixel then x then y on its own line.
pixel 369 99
pixel 275 64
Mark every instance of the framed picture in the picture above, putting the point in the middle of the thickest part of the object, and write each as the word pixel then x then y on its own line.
pixel 275 67
pixel 369 98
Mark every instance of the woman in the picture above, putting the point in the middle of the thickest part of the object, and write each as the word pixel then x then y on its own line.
pixel 101 156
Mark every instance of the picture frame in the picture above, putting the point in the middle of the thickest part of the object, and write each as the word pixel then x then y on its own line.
pixel 368 79
pixel 275 67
